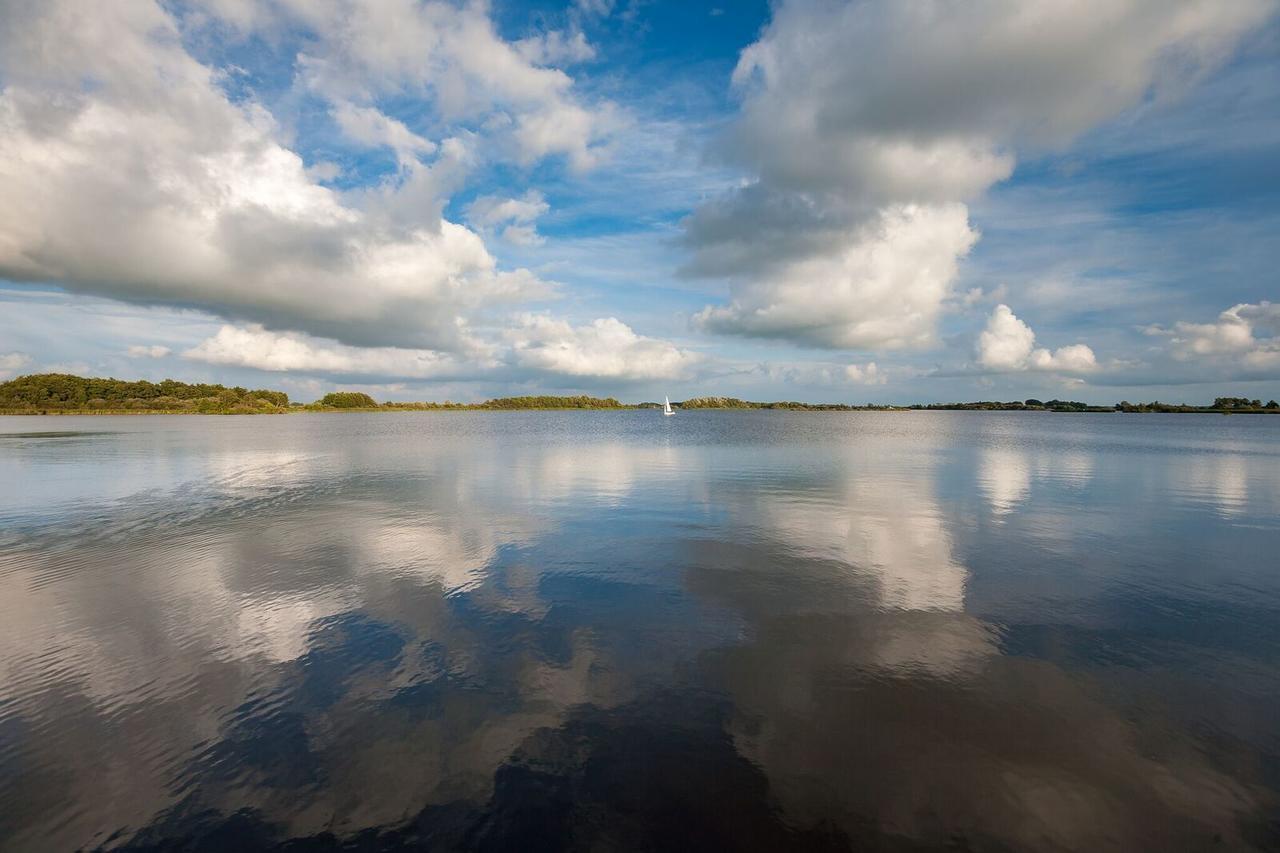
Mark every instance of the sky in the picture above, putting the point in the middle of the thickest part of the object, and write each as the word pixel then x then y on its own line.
pixel 862 202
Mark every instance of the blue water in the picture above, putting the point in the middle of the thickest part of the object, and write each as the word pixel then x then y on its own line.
pixel 618 631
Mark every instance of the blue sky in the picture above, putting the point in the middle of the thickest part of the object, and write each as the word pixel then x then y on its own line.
pixel 814 200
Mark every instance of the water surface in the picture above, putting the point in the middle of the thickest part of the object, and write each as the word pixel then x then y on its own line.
pixel 618 631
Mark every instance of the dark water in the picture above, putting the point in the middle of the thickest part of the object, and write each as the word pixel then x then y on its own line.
pixel 615 631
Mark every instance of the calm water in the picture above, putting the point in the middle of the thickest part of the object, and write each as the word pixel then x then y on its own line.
pixel 620 631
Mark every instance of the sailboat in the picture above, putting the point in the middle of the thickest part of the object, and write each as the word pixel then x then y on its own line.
pixel 666 407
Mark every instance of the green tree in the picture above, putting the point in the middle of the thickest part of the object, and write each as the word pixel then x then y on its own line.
pixel 545 402
pixel 348 400
pixel 64 392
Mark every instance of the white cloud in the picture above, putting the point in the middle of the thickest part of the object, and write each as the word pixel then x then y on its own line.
pixel 324 171
pixel 606 348
pixel 1007 344
pixel 855 112
pixel 518 214
pixel 883 289
pixel 11 363
pixel 256 347
pixel 603 349
pixel 556 48
pixel 369 126
pixel 152 351
pixel 1233 336
pixel 488 211
pixel 452 55
pixel 127 172
pixel 1231 333
pixel 1076 358
pixel 522 235
pixel 595 7
pixel 864 374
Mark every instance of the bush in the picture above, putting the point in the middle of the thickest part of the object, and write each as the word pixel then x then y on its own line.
pixel 1234 403
pixel 348 400
pixel 274 398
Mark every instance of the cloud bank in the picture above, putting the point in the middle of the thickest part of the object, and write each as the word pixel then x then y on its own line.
pixel 603 349
pixel 129 172
pixel 535 346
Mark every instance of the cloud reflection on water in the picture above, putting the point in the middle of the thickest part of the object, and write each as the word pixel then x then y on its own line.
pixel 422 640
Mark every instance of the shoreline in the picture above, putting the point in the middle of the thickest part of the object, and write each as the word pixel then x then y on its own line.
pixel 66 394
pixel 482 408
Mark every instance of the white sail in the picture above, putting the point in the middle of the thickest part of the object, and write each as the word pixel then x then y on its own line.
pixel 666 406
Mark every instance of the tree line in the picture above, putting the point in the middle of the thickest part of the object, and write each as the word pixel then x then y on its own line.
pixel 1220 404
pixel 356 400
pixel 62 392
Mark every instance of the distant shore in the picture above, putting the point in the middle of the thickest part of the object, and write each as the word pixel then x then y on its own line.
pixel 64 394
pixel 300 410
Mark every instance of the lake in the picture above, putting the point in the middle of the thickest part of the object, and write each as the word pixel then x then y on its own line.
pixel 617 631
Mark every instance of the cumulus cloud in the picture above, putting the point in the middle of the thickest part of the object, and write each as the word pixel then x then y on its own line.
pixel 451 55
pixel 1076 358
pixel 128 172
pixel 883 289
pixel 1007 344
pixel 11 363
pixel 864 374
pixel 863 120
pixel 606 348
pixel 152 351
pixel 534 344
pixel 262 349
pixel 1233 336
